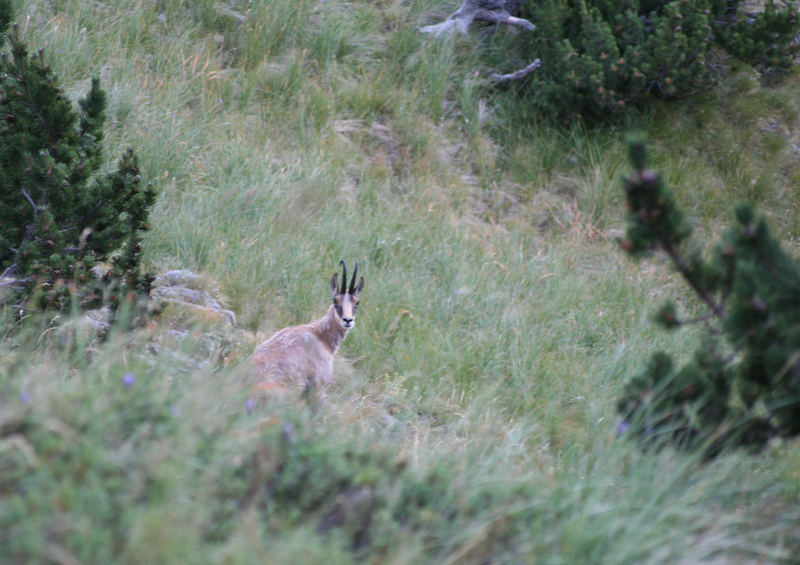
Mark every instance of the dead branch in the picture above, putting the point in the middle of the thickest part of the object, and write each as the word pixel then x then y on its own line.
pixel 516 75
pixel 493 11
pixel 503 17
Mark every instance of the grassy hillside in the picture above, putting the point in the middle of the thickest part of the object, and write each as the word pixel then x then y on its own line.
pixel 473 419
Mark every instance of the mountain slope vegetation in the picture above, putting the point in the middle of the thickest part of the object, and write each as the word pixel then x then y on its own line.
pixel 473 417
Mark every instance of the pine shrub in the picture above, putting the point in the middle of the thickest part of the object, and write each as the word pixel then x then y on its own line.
pixel 767 40
pixel 602 57
pixel 742 385
pixel 69 232
pixel 6 14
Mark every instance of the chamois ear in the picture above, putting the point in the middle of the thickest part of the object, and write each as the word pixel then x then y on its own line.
pixel 359 288
pixel 334 285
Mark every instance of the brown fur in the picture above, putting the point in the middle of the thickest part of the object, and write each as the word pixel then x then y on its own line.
pixel 301 357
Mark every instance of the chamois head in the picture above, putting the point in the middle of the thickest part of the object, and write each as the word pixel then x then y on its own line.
pixel 345 299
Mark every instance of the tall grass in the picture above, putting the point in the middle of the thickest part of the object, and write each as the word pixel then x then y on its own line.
pixel 474 414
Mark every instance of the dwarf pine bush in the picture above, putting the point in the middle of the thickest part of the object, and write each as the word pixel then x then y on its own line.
pixel 766 40
pixel 602 56
pixel 742 385
pixel 60 215
pixel 6 13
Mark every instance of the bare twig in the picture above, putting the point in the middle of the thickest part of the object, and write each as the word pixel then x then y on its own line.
pixel 30 201
pixel 706 320
pixel 8 272
pixel 516 75
pixel 454 22
pixel 493 11
pixel 503 17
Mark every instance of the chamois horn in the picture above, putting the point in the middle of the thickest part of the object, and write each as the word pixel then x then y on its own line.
pixel 344 276
pixel 352 288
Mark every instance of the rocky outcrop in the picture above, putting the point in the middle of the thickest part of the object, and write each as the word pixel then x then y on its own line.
pixel 190 323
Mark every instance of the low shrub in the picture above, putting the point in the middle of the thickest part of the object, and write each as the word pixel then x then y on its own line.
pixel 69 232
pixel 601 57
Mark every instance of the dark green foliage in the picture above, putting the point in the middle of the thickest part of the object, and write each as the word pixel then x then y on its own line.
pixel 60 216
pixel 601 57
pixel 767 40
pixel 6 14
pixel 742 386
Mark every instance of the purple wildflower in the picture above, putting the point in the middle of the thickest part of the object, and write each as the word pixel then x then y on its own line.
pixel 249 404
pixel 24 397
pixel 128 379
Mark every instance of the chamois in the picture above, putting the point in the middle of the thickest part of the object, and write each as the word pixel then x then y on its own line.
pixel 301 357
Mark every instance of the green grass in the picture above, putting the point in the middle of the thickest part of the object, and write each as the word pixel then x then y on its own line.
pixel 473 417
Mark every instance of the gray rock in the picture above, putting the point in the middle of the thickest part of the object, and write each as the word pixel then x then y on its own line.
pixel 180 277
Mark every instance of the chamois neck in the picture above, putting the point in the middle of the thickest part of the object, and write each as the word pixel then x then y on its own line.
pixel 329 330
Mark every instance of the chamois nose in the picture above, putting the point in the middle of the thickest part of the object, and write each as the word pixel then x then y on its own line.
pixel 348 322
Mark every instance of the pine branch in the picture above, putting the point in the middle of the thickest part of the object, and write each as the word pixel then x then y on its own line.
pixel 750 287
pixel 683 268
